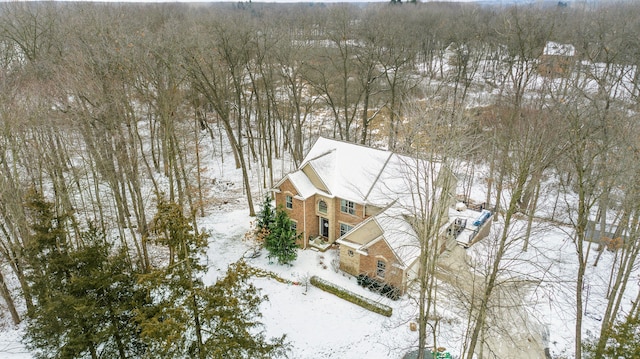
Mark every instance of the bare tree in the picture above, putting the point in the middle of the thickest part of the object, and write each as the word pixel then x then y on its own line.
pixel 439 143
pixel 219 77
pixel 334 75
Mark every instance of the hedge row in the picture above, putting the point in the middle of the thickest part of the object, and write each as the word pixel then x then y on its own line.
pixel 351 297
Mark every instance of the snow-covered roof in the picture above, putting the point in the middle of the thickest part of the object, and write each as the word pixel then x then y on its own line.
pixel 400 236
pixel 347 169
pixel 557 49
pixel 402 180
pixel 302 184
pixel 370 176
pixel 363 174
pixel 396 232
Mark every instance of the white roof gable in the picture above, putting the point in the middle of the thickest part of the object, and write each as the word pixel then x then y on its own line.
pixel 302 183
pixel 400 236
pixel 556 49
pixel 396 232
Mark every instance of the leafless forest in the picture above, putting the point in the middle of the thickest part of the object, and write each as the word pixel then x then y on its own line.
pixel 99 101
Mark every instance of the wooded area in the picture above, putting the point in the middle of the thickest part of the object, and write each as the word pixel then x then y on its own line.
pixel 105 108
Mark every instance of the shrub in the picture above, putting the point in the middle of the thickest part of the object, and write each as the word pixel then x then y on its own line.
pixel 373 285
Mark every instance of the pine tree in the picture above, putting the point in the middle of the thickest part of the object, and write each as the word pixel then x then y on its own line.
pixel 265 220
pixel 624 340
pixel 267 215
pixel 185 318
pixel 46 249
pixel 84 296
pixel 281 241
pixel 234 306
pixel 171 322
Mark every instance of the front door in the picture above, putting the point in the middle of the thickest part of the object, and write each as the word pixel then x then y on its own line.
pixel 324 227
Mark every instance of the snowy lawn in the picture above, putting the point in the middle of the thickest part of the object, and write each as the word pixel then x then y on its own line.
pixel 317 324
pixel 320 325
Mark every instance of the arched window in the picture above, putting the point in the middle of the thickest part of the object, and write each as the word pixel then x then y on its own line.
pixel 322 206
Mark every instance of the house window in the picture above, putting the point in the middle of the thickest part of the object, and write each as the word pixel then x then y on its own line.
pixel 350 252
pixel 294 226
pixel 381 269
pixel 289 202
pixel 347 206
pixel 322 206
pixel 344 228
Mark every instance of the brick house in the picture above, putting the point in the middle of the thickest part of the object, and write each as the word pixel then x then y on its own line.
pixel 557 59
pixel 384 247
pixel 327 195
pixel 357 197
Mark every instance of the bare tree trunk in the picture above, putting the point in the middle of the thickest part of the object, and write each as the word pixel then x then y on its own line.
pixel 6 295
pixel 201 203
pixel 630 252
pixel 531 213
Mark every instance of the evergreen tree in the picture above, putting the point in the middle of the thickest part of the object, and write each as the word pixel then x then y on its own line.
pixel 171 322
pixel 234 307
pixel 45 251
pixel 267 215
pixel 265 221
pixel 281 241
pixel 84 296
pixel 185 318
pixel 624 340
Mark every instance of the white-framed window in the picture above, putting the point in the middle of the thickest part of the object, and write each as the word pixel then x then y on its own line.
pixel 289 201
pixel 347 206
pixel 381 268
pixel 322 206
pixel 294 225
pixel 344 228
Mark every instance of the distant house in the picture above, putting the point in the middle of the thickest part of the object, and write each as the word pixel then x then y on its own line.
pixel 557 59
pixel 456 57
pixel 612 237
pixel 360 199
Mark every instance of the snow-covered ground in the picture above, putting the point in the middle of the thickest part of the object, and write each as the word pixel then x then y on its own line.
pixel 319 325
